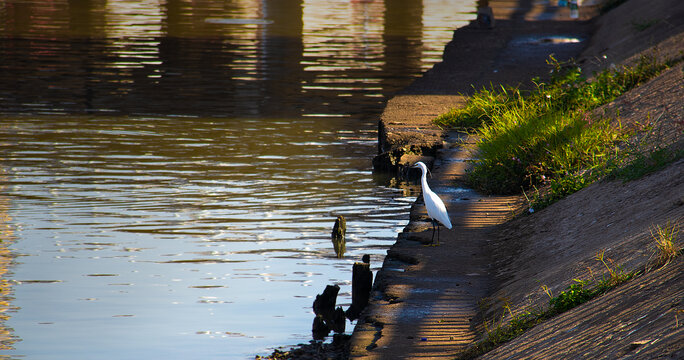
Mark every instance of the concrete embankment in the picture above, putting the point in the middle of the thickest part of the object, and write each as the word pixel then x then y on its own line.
pixel 428 301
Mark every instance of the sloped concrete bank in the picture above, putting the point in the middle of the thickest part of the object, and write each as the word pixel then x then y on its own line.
pixel 427 300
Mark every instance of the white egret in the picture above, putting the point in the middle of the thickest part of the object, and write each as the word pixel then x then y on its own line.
pixel 435 206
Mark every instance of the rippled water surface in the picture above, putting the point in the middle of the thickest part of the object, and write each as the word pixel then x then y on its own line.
pixel 170 170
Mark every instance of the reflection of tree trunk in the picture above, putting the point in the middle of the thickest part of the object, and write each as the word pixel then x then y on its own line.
pixel 281 54
pixel 173 23
pixel 402 36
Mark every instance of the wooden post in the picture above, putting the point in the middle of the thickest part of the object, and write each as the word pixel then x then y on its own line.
pixel 362 283
pixel 338 232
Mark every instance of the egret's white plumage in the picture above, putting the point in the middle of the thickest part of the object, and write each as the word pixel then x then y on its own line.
pixel 434 205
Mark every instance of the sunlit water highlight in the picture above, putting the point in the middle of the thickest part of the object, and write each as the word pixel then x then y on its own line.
pixel 170 173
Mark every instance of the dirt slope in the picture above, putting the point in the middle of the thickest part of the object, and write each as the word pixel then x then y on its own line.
pixel 641 319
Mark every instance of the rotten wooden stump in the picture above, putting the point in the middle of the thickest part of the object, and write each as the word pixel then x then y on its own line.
pixel 327 317
pixel 324 304
pixel 362 283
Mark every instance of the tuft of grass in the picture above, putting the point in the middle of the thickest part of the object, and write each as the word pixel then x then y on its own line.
pixel 577 293
pixel 642 25
pixel 582 291
pixel 544 137
pixel 666 239
pixel 646 163
pixel 482 107
pixel 497 333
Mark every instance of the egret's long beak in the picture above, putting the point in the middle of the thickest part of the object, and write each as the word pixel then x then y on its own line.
pixel 415 166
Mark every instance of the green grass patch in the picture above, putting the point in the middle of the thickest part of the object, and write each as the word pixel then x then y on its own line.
pixel 641 25
pixel 644 164
pixel 544 137
pixel 482 108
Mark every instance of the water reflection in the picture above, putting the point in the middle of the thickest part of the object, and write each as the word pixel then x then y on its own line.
pixel 241 58
pixel 171 169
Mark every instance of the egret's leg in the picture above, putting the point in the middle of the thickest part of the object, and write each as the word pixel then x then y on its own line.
pixel 437 233
pixel 433 233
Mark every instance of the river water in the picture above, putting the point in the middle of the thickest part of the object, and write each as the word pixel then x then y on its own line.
pixel 170 171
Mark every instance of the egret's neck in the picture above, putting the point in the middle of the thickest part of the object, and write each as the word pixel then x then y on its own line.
pixel 423 182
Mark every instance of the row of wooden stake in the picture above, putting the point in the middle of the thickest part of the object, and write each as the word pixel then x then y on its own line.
pixel 328 316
